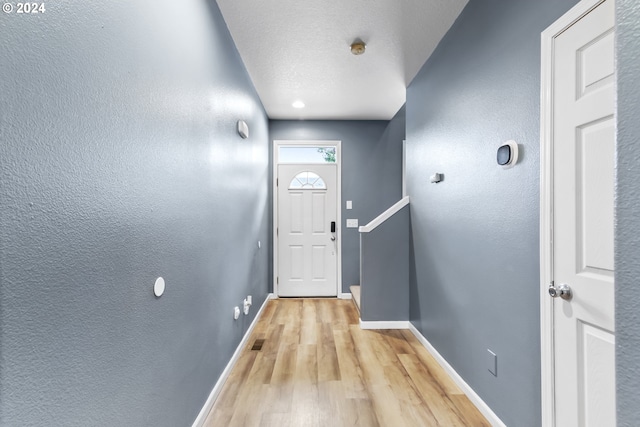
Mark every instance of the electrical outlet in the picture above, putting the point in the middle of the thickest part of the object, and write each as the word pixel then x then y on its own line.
pixel 492 362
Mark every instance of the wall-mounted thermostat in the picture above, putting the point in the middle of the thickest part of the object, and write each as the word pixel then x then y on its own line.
pixel 508 154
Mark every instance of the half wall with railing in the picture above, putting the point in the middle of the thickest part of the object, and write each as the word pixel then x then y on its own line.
pixel 384 266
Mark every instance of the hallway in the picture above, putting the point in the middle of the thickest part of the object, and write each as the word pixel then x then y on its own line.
pixel 137 213
pixel 316 367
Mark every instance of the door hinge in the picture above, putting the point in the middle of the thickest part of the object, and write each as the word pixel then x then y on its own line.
pixel 277 231
pixel 277 280
pixel 277 182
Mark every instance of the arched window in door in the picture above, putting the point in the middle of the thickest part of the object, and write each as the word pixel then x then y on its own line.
pixel 307 181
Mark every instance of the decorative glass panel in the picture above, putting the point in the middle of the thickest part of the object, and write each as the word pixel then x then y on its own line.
pixel 293 154
pixel 306 181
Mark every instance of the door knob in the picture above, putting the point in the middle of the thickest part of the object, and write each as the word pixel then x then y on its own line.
pixel 563 291
pixel 333 239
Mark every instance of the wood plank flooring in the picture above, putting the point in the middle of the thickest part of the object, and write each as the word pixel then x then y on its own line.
pixel 317 368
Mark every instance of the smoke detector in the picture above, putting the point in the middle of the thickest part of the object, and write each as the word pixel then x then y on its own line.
pixel 358 47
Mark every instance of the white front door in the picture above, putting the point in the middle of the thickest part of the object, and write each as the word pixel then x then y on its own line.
pixel 307 245
pixel 582 183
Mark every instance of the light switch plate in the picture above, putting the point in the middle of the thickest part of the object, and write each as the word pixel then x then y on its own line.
pixel 349 204
pixel 352 223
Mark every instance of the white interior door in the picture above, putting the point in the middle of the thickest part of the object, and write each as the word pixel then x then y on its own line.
pixel 583 99
pixel 307 247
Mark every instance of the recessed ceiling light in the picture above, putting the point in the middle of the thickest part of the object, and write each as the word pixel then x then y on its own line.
pixel 298 104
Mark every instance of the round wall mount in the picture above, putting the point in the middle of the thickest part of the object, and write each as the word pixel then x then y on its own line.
pixel 158 287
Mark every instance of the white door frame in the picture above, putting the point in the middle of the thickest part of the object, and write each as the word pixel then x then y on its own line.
pixel 546 202
pixel 307 143
pixel 404 168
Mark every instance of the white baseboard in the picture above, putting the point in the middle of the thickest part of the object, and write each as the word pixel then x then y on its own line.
pixel 227 370
pixel 466 388
pixel 344 295
pixel 402 324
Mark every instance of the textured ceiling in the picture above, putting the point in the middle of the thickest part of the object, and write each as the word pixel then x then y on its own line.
pixel 299 50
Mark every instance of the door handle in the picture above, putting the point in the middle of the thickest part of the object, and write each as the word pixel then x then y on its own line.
pixel 563 291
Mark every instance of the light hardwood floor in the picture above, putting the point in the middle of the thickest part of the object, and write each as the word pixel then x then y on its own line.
pixel 316 367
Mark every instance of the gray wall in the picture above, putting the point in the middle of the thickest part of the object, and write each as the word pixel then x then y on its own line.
pixel 120 163
pixel 371 172
pixel 475 266
pixel 627 216
pixel 384 270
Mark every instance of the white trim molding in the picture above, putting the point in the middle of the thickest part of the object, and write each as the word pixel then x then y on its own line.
pixel 217 388
pixel 401 324
pixel 548 37
pixel 384 216
pixel 466 388
pixel 404 168
pixel 344 295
